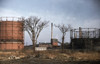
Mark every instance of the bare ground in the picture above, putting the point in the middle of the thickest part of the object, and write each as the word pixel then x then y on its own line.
pixel 49 57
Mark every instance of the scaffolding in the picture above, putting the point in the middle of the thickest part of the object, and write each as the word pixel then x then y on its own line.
pixel 85 33
pixel 85 38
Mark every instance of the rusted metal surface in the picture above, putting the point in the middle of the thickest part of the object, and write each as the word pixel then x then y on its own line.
pixel 11 34
pixel 11 46
pixel 11 30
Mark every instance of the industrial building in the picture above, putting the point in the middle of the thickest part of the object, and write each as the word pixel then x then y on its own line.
pixel 11 33
pixel 54 42
pixel 85 38
pixel 42 44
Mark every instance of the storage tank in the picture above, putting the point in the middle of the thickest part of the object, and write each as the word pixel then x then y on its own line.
pixel 11 34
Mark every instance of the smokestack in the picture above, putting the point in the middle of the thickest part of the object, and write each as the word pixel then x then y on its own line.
pixel 51 30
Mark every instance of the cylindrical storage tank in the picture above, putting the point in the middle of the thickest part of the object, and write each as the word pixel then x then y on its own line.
pixel 11 35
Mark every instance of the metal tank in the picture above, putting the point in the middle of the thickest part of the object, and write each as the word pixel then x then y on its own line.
pixel 11 34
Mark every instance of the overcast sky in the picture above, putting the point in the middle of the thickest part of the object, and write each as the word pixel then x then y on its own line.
pixel 78 13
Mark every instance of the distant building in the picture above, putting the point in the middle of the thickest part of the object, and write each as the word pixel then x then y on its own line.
pixel 54 42
pixel 42 44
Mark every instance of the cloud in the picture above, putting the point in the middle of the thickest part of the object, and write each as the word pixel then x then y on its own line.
pixel 92 23
pixel 56 18
pixel 9 13
pixel 63 19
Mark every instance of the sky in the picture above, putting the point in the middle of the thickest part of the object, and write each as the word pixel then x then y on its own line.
pixel 77 13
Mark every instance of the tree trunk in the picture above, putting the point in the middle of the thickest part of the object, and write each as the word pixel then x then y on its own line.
pixel 33 40
pixel 63 43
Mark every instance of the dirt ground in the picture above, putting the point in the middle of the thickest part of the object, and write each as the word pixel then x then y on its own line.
pixel 49 57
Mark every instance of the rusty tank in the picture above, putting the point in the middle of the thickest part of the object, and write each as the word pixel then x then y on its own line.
pixel 11 34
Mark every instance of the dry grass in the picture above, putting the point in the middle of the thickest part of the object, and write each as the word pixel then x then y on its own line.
pixel 68 55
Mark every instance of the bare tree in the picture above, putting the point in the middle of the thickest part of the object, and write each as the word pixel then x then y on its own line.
pixel 33 25
pixel 63 30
